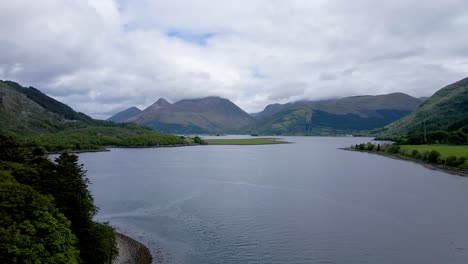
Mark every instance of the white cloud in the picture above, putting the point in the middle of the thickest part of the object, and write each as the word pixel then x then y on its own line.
pixel 101 56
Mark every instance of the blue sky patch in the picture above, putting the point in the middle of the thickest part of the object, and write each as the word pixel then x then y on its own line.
pixel 198 39
pixel 257 74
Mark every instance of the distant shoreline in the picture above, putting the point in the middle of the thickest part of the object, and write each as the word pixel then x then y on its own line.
pixel 437 167
pixel 245 141
pixel 107 148
pixel 131 251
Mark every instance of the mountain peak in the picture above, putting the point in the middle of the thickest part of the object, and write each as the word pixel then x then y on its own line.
pixel 162 101
pixel 125 114
pixel 159 104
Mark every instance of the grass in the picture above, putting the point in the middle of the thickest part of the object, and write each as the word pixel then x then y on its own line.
pixel 245 141
pixel 444 150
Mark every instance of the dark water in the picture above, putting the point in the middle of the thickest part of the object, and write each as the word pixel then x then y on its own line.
pixel 298 203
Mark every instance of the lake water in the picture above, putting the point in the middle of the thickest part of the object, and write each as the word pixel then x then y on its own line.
pixel 306 202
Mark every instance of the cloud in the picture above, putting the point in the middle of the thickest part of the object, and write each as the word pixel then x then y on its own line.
pixel 101 56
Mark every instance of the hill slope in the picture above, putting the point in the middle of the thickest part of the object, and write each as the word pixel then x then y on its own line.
pixel 125 114
pixel 20 115
pixel 42 120
pixel 204 115
pixel 340 116
pixel 446 110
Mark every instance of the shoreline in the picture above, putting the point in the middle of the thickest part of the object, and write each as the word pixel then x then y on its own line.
pixel 131 251
pixel 431 166
pixel 107 148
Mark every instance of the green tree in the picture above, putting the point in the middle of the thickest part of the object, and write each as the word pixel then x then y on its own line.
pixel 31 229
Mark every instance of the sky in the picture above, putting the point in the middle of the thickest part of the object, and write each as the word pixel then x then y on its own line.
pixel 103 56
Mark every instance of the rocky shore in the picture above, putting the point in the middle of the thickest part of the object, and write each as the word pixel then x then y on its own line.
pixel 131 251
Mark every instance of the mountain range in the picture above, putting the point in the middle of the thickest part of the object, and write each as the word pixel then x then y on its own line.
pixel 338 116
pixel 204 115
pixel 27 111
pixel 327 117
pixel 446 110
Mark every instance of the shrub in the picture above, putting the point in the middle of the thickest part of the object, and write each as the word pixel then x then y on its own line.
pixel 453 161
pixel 415 153
pixel 433 156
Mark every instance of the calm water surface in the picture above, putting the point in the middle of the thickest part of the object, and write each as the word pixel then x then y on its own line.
pixel 307 202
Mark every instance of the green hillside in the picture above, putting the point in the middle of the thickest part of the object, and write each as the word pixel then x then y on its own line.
pixel 446 110
pixel 22 116
pixel 41 120
pixel 49 103
pixel 333 117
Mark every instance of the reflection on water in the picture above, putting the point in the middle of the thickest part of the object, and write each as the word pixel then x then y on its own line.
pixel 307 202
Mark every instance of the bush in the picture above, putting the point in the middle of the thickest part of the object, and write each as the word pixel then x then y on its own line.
pixel 415 153
pixel 433 156
pixel 453 161
pixel 198 140
pixel 392 149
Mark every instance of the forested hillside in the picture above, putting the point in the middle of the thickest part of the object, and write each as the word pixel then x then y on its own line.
pixel 441 119
pixel 40 120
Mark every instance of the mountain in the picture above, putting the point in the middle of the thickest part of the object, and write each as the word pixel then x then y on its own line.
pixel 204 115
pixel 446 110
pixel 32 116
pixel 337 116
pixel 49 103
pixel 21 115
pixel 125 114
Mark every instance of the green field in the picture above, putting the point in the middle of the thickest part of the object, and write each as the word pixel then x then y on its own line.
pixel 245 141
pixel 444 150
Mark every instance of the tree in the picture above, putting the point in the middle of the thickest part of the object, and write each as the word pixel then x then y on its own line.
pixel 31 229
pixel 10 150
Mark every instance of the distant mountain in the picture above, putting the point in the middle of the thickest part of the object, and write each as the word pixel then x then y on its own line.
pixel 125 114
pixel 204 115
pixel 446 110
pixel 337 116
pixel 272 109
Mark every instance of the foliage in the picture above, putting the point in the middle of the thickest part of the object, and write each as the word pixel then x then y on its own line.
pixel 65 183
pixel 198 140
pixel 436 154
pixel 31 229
pixel 459 137
pixel 92 138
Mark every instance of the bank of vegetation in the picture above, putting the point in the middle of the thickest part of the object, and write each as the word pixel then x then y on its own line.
pixel 98 138
pixel 46 210
pixel 446 157
pixel 245 141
